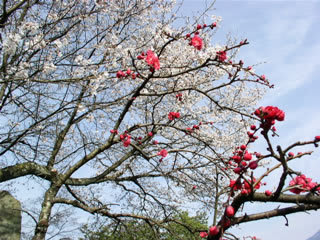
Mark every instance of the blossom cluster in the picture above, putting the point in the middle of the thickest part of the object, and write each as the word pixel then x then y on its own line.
pixel 151 59
pixel 303 184
pixel 269 115
pixel 173 115
pixel 226 222
pixel 128 73
pixel 197 41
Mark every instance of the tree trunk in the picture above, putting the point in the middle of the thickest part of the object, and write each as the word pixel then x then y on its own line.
pixel 43 223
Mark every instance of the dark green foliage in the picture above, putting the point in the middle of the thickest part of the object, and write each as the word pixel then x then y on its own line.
pixel 185 228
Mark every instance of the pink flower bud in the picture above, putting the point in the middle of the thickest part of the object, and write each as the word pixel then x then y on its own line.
pixel 247 157
pixel 253 165
pixel 230 211
pixel 243 147
pixel 244 191
pixel 214 230
pixel 237 170
pixel 268 193
pixel 203 234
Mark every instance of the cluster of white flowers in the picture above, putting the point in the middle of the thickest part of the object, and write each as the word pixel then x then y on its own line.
pixel 92 54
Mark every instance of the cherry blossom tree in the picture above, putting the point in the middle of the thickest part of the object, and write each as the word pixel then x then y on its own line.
pixel 127 110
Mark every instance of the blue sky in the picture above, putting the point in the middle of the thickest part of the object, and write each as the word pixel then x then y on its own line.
pixel 284 36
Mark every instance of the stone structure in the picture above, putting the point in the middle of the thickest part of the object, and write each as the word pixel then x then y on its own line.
pixel 10 217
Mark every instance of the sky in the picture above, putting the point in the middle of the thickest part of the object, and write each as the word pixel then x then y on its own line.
pixel 285 43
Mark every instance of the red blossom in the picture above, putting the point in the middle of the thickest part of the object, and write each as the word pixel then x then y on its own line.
pixel 235 185
pixel 243 147
pixel 247 157
pixel 120 74
pixel 270 113
pixel 230 211
pixel 237 170
pixel 268 193
pixel 253 165
pixel 173 115
pixel 196 41
pixel 153 60
pixel 214 230
pixel 127 142
pixel 253 127
pixel 203 234
pixel 236 158
pixel 222 56
pixel 163 153
pixel 247 185
pixel 302 183
pixel 213 25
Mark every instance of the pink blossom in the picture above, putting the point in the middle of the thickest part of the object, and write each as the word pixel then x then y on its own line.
pixel 153 60
pixel 235 185
pixel 173 115
pixel 270 113
pixel 114 131
pixel 253 127
pixel 214 230
pixel 203 234
pixel 150 134
pixel 230 211
pixel 120 74
pixel 213 25
pixel 196 41
pixel 253 165
pixel 302 184
pixel 163 153
pixel 268 193
pixel 140 57
pixel 243 147
pixel 127 142
pixel 222 56
pixel 247 157
pixel 237 170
